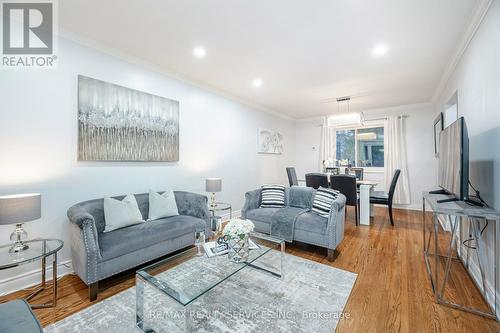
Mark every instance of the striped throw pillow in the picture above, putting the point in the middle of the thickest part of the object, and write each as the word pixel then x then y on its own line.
pixel 272 196
pixel 323 200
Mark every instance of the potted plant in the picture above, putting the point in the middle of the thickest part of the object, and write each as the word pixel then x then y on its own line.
pixel 236 233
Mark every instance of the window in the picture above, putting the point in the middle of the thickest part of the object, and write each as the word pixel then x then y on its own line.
pixel 346 150
pixel 362 147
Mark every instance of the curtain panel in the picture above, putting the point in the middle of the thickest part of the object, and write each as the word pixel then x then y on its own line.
pixel 328 147
pixel 395 158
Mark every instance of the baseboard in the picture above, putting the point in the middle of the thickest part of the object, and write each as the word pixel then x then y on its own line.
pixel 32 278
pixel 475 274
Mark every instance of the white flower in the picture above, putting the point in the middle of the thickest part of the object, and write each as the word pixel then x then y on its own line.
pixel 238 228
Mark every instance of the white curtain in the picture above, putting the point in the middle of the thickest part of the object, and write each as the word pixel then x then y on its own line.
pixel 328 144
pixel 395 158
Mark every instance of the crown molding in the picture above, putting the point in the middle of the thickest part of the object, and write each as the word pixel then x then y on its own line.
pixel 464 43
pixel 93 44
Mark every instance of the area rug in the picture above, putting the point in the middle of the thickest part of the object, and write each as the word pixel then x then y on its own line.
pixel 310 298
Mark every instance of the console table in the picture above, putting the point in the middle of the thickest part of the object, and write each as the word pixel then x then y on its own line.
pixel 459 217
pixel 39 249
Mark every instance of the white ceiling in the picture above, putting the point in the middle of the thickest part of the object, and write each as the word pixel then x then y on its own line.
pixel 306 52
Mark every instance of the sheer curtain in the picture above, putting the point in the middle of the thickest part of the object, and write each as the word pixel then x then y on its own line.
pixel 395 158
pixel 328 144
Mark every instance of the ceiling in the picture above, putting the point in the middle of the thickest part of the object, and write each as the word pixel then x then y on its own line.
pixel 306 53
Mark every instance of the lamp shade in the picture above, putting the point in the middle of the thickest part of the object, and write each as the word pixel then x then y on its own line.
pixel 213 185
pixel 20 208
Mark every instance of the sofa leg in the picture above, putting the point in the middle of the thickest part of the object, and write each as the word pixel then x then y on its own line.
pixel 93 290
pixel 332 254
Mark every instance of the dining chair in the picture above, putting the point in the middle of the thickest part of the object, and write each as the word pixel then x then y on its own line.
pixel 346 184
pixel 358 172
pixel 315 180
pixel 334 170
pixel 382 198
pixel 292 176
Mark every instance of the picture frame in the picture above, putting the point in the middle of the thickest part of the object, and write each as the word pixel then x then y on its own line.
pixel 438 127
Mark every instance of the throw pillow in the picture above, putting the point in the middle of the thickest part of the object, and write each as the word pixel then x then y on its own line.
pixel 272 196
pixel 119 214
pixel 162 205
pixel 323 200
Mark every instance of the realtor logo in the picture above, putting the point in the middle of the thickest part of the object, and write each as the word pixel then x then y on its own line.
pixel 28 34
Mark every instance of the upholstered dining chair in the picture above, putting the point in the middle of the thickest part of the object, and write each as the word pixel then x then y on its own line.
pixel 292 176
pixel 382 198
pixel 346 184
pixel 358 172
pixel 315 180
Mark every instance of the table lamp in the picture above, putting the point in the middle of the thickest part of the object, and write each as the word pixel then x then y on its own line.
pixel 213 185
pixel 17 209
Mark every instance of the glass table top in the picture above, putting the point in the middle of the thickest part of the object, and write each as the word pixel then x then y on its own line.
pixel 185 277
pixel 219 206
pixel 38 248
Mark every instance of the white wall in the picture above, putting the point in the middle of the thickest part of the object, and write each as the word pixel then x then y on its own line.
pixel 421 161
pixel 38 135
pixel 477 81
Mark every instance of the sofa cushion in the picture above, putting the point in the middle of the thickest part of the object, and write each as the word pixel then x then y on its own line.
pixel 162 205
pixel 311 222
pixel 301 197
pixel 121 213
pixel 323 200
pixel 126 240
pixel 261 214
pixel 272 196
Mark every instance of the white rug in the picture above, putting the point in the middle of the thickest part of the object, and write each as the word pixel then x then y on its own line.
pixel 310 298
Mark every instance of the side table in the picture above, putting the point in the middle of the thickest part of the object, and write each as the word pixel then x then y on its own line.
pixel 39 249
pixel 215 219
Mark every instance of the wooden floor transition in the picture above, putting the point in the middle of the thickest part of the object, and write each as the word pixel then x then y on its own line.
pixel 392 292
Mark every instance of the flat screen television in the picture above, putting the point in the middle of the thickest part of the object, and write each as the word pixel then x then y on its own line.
pixel 454 160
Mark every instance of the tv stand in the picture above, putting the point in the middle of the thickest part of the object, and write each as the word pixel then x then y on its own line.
pixel 467 219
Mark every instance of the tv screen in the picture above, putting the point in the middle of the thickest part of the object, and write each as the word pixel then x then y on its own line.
pixel 454 160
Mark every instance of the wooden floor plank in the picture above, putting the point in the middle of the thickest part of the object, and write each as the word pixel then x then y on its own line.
pixel 392 292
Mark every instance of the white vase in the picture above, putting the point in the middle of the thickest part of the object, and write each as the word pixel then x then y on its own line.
pixel 238 249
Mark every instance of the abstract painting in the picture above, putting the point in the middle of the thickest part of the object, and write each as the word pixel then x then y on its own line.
pixel 270 142
pixel 122 124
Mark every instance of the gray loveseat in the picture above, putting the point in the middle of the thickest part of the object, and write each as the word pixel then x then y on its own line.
pixel 308 227
pixel 97 255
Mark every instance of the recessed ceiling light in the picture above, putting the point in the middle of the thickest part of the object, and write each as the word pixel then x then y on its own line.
pixel 199 52
pixel 257 83
pixel 379 50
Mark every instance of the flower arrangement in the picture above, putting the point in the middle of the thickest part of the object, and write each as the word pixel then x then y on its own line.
pixel 238 228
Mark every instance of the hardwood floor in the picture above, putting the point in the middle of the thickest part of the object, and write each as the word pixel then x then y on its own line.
pixel 392 292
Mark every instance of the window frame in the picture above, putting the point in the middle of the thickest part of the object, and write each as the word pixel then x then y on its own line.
pixel 356 128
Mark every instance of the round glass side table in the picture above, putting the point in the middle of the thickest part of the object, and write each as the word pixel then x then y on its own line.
pixel 38 249
pixel 216 216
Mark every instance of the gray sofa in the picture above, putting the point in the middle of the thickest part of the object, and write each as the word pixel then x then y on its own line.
pixel 97 255
pixel 308 227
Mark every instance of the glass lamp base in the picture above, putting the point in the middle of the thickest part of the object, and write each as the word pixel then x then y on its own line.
pixel 18 237
pixel 18 247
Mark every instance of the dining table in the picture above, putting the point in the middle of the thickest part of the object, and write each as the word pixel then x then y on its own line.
pixel 365 207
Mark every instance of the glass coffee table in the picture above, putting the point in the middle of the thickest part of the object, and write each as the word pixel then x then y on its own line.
pixel 165 289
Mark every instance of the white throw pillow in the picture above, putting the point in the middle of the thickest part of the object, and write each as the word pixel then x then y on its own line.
pixel 119 214
pixel 162 205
